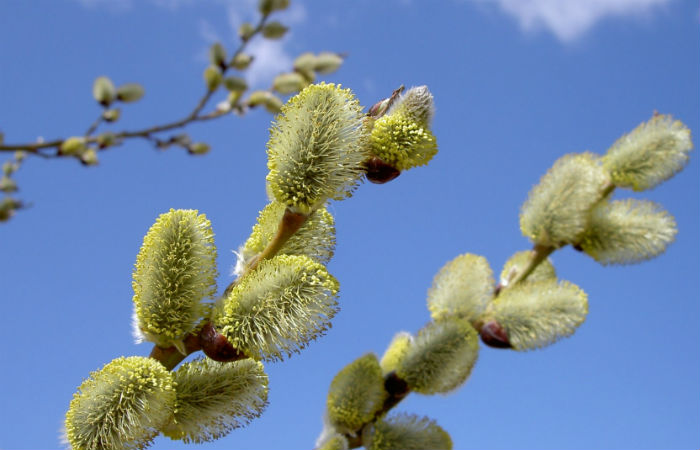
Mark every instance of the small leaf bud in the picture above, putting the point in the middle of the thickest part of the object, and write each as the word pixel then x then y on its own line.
pixel 217 55
pixel 257 98
pixel 232 99
pixel 212 77
pixel 288 83
pixel 305 61
pixel 198 148
pixel 216 346
pixel 130 92
pixel 7 184
pixel 106 140
pixel 235 84
pixel 417 103
pixel 518 262
pixel 111 115
pixel 89 157
pixel 493 335
pixel 19 155
pixel 8 206
pixel 273 104
pixel 395 352
pixel 245 31
pixel 103 90
pixel 274 30
pixel 327 62
pixel 308 75
pixel 241 61
pixel 8 168
pixel 379 172
pixel 267 6
pixel 72 146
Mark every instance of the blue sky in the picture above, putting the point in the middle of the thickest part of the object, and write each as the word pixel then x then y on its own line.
pixel 517 84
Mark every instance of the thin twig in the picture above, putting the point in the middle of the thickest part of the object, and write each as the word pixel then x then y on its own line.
pixel 193 116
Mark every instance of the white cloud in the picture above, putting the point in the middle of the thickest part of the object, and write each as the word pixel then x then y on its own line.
pixel 271 59
pixel 271 56
pixel 570 19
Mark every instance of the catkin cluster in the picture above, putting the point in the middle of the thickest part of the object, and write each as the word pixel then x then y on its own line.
pixel 283 298
pixel 529 308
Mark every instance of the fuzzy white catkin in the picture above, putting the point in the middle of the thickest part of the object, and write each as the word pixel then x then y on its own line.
pixel 441 356
pixel 463 286
pixel 539 313
pixel 557 209
pixel 650 154
pixel 628 231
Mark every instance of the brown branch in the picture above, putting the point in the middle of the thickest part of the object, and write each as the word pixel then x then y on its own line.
pixel 194 116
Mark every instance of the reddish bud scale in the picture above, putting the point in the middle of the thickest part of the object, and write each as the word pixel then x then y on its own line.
pixel 216 346
pixel 493 335
pixel 379 172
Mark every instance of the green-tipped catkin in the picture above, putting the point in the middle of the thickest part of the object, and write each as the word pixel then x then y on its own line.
pixel 213 398
pixel 464 286
pixel 288 83
pixel 130 92
pixel 212 77
pixel 315 238
pixel 628 231
pixel 441 357
pixel 305 62
pixel 417 103
pixel 518 262
pixel 103 90
pixel 274 30
pixel 121 406
pixel 537 314
pixel 556 211
pixel 314 149
pixel 327 62
pixel 335 441
pixel 175 271
pixel 395 352
pixel 407 432
pixel 73 146
pixel 277 309
pixel 402 142
pixel 356 394
pixel 653 152
pixel 217 54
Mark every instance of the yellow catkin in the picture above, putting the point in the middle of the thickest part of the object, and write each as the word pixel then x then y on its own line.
pixel 356 394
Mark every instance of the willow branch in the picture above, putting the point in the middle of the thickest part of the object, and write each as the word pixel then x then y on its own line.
pixel 195 115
